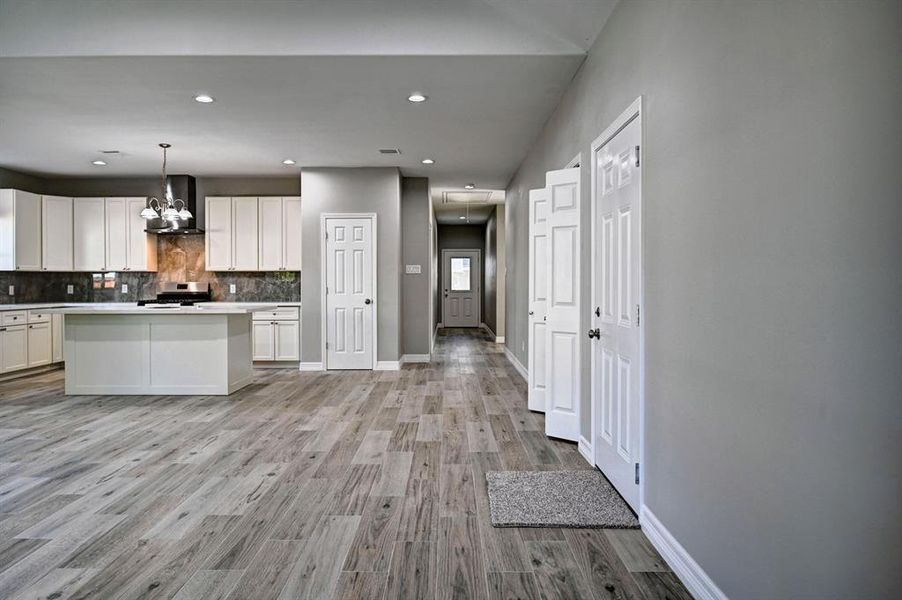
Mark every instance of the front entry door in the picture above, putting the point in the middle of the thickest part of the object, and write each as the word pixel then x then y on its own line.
pixel 350 302
pixel 461 290
pixel 563 337
pixel 616 392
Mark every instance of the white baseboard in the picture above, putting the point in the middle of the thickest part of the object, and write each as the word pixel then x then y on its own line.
pixel 585 448
pixel 310 366
pixel 499 339
pixel 415 358
pixel 683 565
pixel 517 364
pixel 388 365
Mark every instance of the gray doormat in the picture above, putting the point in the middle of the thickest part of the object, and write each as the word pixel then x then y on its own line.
pixel 556 499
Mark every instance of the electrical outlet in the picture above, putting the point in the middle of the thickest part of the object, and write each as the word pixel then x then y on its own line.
pixel 124 288
pixel 12 290
pixel 70 289
pixel 232 288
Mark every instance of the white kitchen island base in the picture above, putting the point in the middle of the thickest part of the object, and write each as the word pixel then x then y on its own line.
pixel 139 352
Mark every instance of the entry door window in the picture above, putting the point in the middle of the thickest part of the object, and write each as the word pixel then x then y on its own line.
pixel 460 274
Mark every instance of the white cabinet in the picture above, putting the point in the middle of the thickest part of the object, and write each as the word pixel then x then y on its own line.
pixel 13 347
pixel 244 234
pixel 20 231
pixel 56 233
pixel 56 337
pixel 280 233
pixel 218 236
pixel 40 345
pixel 247 233
pixel 128 246
pixel 88 218
pixel 277 334
pixel 287 340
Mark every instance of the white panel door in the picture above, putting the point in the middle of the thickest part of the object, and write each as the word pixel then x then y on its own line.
pixel 116 226
pixel 291 236
pixel 263 340
pixel 40 344
pixel 271 233
pixel 27 231
pixel 13 348
pixel 538 296
pixel 616 247
pixel 56 233
pixel 462 292
pixel 244 234
pixel 562 350
pixel 350 303
pixel 89 234
pixel 142 246
pixel 219 233
pixel 287 340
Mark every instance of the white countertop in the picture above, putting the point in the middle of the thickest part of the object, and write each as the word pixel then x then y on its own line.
pixel 133 308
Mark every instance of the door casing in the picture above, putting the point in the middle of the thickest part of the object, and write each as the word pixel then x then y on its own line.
pixel 634 112
pixel 322 283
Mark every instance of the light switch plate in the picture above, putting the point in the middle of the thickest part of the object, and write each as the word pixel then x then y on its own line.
pixel 232 288
pixel 12 290
pixel 413 269
pixel 124 288
pixel 70 289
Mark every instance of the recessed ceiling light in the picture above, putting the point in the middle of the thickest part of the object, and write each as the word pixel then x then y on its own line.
pixel 417 97
pixel 288 161
pixel 98 163
pixel 203 98
pixel 428 161
pixel 470 186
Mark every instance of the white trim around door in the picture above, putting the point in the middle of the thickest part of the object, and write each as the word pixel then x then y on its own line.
pixel 324 218
pixel 609 312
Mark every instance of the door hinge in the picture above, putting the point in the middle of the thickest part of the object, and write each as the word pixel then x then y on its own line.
pixel 637 156
pixel 327 290
pixel 637 315
pixel 327 235
pixel 637 473
pixel 327 347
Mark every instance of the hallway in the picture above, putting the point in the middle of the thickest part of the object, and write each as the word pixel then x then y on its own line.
pixel 303 485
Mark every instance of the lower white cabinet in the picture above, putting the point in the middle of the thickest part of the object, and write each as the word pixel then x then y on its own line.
pixel 56 337
pixel 13 347
pixel 40 345
pixel 277 334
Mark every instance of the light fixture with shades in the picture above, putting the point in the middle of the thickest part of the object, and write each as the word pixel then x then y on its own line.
pixel 166 207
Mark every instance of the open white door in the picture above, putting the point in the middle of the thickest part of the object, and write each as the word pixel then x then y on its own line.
pixel 349 292
pixel 538 294
pixel 462 279
pixel 616 292
pixel 562 350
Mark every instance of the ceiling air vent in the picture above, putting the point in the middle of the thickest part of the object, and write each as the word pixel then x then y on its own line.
pixel 481 197
pixel 389 151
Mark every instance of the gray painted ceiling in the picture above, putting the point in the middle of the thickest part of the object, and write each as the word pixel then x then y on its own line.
pixel 84 76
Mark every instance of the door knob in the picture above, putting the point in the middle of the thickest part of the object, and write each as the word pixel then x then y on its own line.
pixel 595 333
pixel 531 313
pixel 367 301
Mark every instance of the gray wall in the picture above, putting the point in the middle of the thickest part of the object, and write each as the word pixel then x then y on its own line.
pixel 490 273
pixel 364 190
pixel 772 279
pixel 460 237
pixel 416 249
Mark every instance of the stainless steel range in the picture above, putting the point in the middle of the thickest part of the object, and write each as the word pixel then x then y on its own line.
pixel 182 294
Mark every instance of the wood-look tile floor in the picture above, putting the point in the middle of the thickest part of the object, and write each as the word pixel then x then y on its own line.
pixel 302 485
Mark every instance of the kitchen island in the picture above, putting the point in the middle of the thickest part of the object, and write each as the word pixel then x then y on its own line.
pixel 126 349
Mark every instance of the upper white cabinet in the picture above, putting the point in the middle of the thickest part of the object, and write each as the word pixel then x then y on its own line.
pixel 280 233
pixel 247 233
pixel 56 233
pixel 128 246
pixel 20 231
pixel 90 245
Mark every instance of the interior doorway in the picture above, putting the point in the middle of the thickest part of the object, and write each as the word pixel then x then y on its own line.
pixel 461 288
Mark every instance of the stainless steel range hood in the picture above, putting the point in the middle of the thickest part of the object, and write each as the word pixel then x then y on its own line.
pixel 185 188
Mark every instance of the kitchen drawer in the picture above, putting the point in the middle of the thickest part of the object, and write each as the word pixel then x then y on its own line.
pixel 278 313
pixel 36 316
pixel 13 317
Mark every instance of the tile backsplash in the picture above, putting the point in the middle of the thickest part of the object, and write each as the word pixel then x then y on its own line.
pixel 179 259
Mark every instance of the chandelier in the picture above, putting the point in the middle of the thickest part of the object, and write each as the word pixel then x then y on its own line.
pixel 166 208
